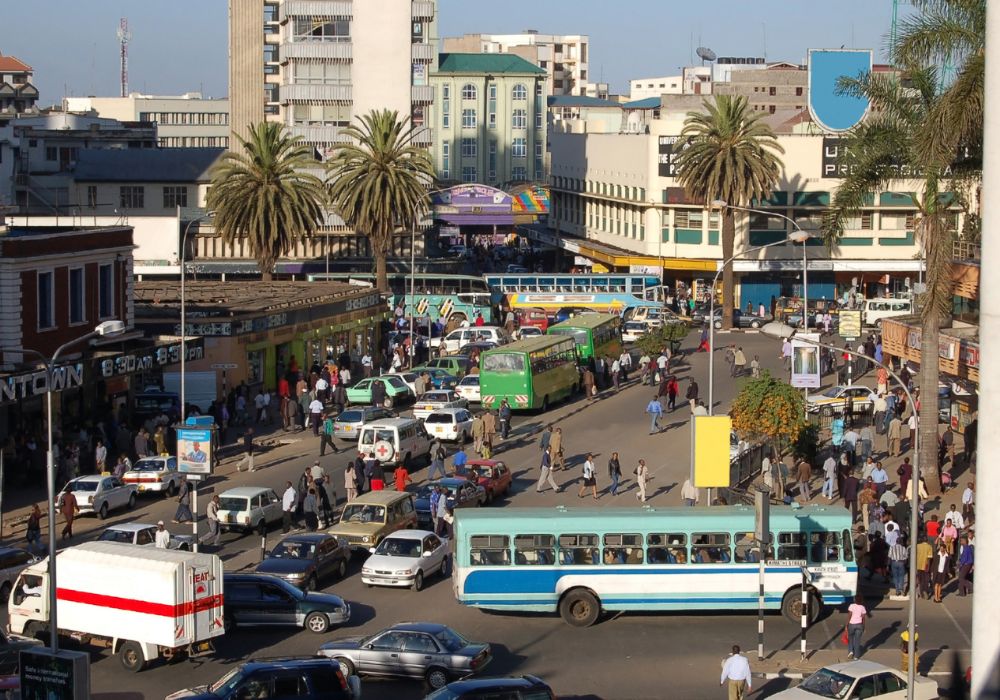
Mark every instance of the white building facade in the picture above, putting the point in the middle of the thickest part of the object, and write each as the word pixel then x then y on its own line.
pixel 182 121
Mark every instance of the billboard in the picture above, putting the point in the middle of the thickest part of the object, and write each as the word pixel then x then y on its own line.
pixel 195 450
pixel 668 150
pixel 828 105
pixel 54 675
pixel 710 450
pixel 805 361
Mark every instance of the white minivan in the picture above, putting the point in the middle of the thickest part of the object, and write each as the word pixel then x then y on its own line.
pixel 395 441
pixel 462 336
pixel 877 309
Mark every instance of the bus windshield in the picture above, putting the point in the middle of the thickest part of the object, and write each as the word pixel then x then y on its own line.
pixel 579 335
pixel 503 362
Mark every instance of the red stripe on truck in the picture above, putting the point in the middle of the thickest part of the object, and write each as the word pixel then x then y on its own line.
pixel 139 606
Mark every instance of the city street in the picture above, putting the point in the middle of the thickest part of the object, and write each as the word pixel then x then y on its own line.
pixel 625 656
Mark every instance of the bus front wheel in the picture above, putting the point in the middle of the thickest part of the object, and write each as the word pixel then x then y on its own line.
pixel 791 605
pixel 580 608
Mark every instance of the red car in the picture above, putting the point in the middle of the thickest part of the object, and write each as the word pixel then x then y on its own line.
pixel 492 475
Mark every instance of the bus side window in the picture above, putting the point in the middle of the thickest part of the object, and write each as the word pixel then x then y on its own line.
pixel 489 550
pixel 745 550
pixel 710 548
pixel 824 546
pixel 534 550
pixel 848 550
pixel 666 548
pixel 579 549
pixel 791 545
pixel 623 549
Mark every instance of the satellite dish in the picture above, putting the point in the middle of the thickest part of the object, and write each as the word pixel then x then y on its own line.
pixel 705 54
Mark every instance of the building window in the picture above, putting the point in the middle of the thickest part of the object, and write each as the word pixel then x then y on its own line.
pixel 492 176
pixel 469 174
pixel 76 296
pixel 445 160
pixel 519 119
pixel 175 197
pixel 106 290
pixel 321 29
pixel 539 115
pixel 689 218
pixel 469 91
pixel 51 153
pixel 92 196
pixel 322 73
pixel 46 301
pixel 321 114
pixel 519 148
pixel 798 92
pixel 772 91
pixel 518 174
pixel 445 106
pixel 132 197
pixel 519 92
pixel 469 148
pixel 491 119
pixel 539 160
pixel 468 119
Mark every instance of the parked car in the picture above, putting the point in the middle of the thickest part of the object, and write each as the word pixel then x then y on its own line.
pixel 453 424
pixel 310 678
pixel 834 399
pixel 468 388
pixel 348 424
pixel 859 679
pixel 13 560
pixel 529 332
pixel 493 475
pixel 425 650
pixel 306 559
pixel 741 319
pixel 99 494
pixel 144 535
pixel 259 600
pixel 435 401
pixel 249 509
pixel 405 559
pixel 460 336
pixel 633 330
pixel 396 391
pixel 154 475
pixel 409 378
pixel 456 365
pixel 521 688
pixel 439 378
pixel 370 517
pixel 462 493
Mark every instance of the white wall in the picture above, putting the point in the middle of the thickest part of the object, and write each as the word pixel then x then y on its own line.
pixel 382 66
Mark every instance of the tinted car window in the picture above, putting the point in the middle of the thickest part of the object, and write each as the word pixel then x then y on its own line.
pixel 242 592
pixel 290 684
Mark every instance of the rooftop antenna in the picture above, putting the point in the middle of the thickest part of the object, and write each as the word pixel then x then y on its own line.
pixel 763 27
pixel 124 36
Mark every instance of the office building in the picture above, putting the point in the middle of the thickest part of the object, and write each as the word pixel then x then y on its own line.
pixel 182 121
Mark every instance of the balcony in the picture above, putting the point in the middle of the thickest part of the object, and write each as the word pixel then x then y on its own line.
pixel 422 94
pixel 316 8
pixel 422 10
pixel 422 53
pixel 423 136
pixel 315 93
pixel 334 51
pixel 319 134
pixel 966 251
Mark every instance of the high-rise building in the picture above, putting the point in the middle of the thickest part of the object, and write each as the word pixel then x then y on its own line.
pixel 314 65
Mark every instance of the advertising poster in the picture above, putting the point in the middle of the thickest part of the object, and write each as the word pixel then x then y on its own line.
pixel 54 675
pixel 194 450
pixel 805 361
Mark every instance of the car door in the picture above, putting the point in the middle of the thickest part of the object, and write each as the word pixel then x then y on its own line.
pixel 289 683
pixel 437 549
pixel 419 651
pixel 890 686
pixel 146 536
pixel 864 688
pixel 380 657
pixel 325 559
pixel 113 491
pixel 278 607
pixel 271 505
pixel 244 603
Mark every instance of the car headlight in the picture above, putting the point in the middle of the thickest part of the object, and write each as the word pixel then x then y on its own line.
pixel 366 570
pixel 297 574
pixel 366 538
pixel 243 518
pixel 404 572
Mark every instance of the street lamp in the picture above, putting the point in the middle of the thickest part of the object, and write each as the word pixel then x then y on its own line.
pixel 106 329
pixel 413 276
pixel 798 236
pixel 187 230
pixel 781 330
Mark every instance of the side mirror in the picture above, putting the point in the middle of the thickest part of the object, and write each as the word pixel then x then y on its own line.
pixel 371 550
pixel 425 554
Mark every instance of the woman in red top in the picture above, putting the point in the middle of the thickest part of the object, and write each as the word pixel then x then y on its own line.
pixel 933 528
pixel 402 477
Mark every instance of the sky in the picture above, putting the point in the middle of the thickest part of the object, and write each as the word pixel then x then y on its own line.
pixel 179 46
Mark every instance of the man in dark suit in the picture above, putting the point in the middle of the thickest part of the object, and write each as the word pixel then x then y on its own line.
pixel 850 493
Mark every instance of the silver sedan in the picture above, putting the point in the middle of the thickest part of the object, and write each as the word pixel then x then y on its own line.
pixel 347 425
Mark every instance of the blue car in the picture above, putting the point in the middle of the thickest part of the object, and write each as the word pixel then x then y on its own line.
pixel 461 493
pixel 439 378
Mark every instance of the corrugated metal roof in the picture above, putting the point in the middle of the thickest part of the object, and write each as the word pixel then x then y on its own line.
pixel 648 103
pixel 146 164
pixel 486 63
pixel 580 101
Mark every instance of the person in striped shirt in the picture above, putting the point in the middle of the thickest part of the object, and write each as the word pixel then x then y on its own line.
pixel 899 555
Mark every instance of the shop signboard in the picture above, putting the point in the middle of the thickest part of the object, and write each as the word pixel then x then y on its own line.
pixel 148 359
pixel 669 149
pixel 15 387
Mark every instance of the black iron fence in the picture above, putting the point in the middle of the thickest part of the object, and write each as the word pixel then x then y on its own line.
pixel 742 471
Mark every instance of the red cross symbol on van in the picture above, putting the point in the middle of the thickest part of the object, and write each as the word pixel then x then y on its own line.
pixel 381 451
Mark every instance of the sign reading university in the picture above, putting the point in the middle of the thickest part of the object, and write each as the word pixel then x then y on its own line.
pixel 668 149
pixel 36 383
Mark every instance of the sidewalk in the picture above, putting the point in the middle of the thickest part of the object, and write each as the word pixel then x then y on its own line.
pixel 788 663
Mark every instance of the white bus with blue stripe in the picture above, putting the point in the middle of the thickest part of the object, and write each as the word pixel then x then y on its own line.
pixel 581 562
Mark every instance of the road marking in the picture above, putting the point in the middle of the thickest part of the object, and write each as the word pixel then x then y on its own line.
pixel 957 626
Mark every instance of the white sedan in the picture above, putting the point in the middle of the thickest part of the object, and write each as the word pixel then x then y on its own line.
pixel 405 558
pixel 453 424
pixel 859 679
pixel 835 399
pixel 154 475
pixel 633 330
pixel 99 494
pixel 468 388
pixel 432 401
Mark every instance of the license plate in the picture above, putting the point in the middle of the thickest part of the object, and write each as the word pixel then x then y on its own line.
pixel 438 430
pixel 348 428
pixel 141 488
pixel 428 408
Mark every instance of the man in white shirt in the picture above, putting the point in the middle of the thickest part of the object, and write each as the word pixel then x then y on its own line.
pixel 366 364
pixel 662 362
pixel 162 536
pixel 911 423
pixel 969 500
pixel 736 670
pixel 956 518
pixel 288 501
pixel 316 414
pixel 829 476
pixel 258 403
pixel 689 493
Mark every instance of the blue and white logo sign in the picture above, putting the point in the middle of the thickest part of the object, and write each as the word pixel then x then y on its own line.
pixel 830 109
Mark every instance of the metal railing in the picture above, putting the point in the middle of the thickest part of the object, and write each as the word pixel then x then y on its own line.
pixel 966 250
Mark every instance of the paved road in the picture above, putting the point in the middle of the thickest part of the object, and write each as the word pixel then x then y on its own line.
pixel 623 657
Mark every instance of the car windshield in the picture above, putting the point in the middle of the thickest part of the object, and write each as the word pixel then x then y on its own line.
pixel 227 683
pixel 350 417
pixel 450 640
pixel 148 465
pixel 363 513
pixel 503 362
pixel 116 536
pixel 81 486
pixel 828 684
pixel 232 503
pixel 833 392
pixel 440 418
pixel 293 550
pixel 471 380
pixel 399 547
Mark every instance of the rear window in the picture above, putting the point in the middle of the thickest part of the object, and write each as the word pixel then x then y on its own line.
pixel 396 382
pixel 503 362
pixel 232 503
pixel 440 418
pixel 370 437
pixel 350 417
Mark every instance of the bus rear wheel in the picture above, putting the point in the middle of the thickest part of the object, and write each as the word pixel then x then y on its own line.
pixel 580 608
pixel 791 606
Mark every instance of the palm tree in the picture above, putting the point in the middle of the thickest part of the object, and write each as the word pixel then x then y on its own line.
pixel 263 194
pixel 731 155
pixel 953 32
pixel 378 181
pixel 891 139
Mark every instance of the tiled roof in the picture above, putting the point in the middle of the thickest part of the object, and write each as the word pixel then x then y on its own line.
pixel 146 164
pixel 9 64
pixel 486 63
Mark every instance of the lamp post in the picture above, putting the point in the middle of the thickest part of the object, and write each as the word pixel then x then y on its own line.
pixel 413 277
pixel 187 230
pixel 796 236
pixel 781 330
pixel 105 329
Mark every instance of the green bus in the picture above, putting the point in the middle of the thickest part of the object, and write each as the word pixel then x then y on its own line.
pixel 596 335
pixel 531 373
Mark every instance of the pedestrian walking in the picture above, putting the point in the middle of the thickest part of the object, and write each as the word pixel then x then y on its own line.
pixel 289 500
pixel 857 613
pixel 803 472
pixel 556 450
pixel 641 476
pixel 655 410
pixel 969 501
pixel 925 555
pixel 692 394
pixel 161 539
pixel 689 493
pixel 899 556
pixel 786 352
pixel 315 414
pixel 69 509
pixel 351 481
pixel 478 431
pixel 672 390
pixel 327 436
pixel 310 509
pixel 589 478
pixel 248 451
pixel 100 458
pixel 589 388
pixel 940 569
pixel 893 436
pixel 546 472
pixel 755 367
pixel 33 533
pixel 401 477
pixel 459 461
pixel 966 565
pixel 212 516
pixel 829 476
pixel 183 512
pixel 616 371
pixel 505 416
pixel 614 473
pixel 489 429
pixel 546 438
pixel 739 362
pixel 736 673
pixel 911 423
pixel 437 461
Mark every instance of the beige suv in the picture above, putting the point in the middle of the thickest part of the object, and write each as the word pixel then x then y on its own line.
pixel 372 516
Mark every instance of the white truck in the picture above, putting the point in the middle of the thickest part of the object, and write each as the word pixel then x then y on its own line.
pixel 142 603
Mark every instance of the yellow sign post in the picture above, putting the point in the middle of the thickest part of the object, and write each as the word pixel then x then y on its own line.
pixel 710 451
